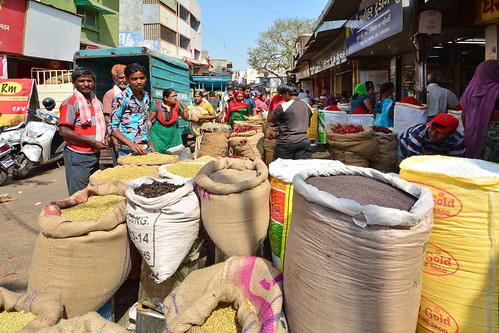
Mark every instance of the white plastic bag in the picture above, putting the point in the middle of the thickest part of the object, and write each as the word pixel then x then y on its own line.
pixel 408 115
pixel 164 228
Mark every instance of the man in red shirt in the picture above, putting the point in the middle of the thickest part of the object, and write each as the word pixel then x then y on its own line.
pixel 83 127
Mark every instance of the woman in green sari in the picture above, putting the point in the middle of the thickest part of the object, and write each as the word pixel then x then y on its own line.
pixel 238 109
pixel 163 126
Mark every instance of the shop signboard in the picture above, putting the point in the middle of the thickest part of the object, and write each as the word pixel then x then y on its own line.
pixel 329 58
pixel 487 11
pixel 16 96
pixel 12 13
pixel 374 23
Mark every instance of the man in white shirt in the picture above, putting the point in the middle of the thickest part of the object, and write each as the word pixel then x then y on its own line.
pixel 438 98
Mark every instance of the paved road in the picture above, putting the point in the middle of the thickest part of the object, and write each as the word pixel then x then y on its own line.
pixel 18 225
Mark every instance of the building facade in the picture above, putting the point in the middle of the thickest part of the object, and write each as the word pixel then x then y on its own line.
pixel 168 26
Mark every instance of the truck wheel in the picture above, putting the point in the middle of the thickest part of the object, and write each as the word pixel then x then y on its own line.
pixel 3 176
pixel 25 166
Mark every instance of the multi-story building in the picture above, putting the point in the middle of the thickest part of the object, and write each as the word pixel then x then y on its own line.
pixel 168 26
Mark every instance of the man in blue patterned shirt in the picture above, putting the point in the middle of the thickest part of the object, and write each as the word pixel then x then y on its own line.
pixel 438 137
pixel 130 114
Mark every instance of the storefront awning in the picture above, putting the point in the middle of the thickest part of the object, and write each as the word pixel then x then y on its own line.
pixel 97 6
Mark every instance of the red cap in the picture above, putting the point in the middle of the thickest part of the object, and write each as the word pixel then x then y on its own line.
pixel 444 123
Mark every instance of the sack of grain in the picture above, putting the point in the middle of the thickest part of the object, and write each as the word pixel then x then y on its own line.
pixel 325 118
pixel 387 152
pixel 183 169
pixel 235 204
pixel 250 285
pixel 458 114
pixel 214 144
pixel 214 128
pixel 460 275
pixel 247 144
pixel 121 175
pixel 163 228
pixel 349 158
pixel 362 143
pixel 407 115
pixel 90 322
pixel 359 248
pixel 147 159
pixel 361 119
pixel 46 308
pixel 281 201
pixel 84 258
pixel 269 147
pixel 259 125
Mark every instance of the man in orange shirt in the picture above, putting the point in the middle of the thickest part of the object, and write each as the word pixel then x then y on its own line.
pixel 83 127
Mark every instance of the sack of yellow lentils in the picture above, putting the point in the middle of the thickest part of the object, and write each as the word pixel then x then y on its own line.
pixel 121 175
pixel 148 159
pixel 28 312
pixel 460 280
pixel 82 252
pixel 243 294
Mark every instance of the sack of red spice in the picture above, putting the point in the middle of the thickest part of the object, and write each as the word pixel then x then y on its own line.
pixel 353 138
pixel 246 141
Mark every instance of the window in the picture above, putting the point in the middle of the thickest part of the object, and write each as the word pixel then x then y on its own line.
pixel 184 42
pixel 90 17
pixel 195 23
pixel 168 35
pixel 183 13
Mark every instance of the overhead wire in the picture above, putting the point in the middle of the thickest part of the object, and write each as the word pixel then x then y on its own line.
pixel 262 5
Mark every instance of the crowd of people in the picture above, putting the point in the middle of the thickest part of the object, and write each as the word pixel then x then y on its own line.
pixel 130 122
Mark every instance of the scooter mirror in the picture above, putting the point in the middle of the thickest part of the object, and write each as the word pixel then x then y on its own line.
pixel 48 103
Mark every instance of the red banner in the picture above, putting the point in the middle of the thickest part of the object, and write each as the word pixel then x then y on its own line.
pixel 12 14
pixel 15 96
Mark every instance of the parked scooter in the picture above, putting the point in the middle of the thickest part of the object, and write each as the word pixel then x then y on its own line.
pixel 41 142
pixel 6 160
pixel 12 134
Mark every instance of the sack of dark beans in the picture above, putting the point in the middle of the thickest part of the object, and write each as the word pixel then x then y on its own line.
pixel 358 238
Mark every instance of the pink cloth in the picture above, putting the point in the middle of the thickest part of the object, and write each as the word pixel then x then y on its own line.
pixel 260 104
pixel 478 103
pixel 86 114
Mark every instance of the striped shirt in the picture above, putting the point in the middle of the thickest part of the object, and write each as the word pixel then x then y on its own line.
pixel 70 115
pixel 416 141
pixel 130 117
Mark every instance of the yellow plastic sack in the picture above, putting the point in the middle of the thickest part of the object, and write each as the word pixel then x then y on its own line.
pixel 312 129
pixel 460 280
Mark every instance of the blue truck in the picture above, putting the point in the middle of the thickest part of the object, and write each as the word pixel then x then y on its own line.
pixel 163 71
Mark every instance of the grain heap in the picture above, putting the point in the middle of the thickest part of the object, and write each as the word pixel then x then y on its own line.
pixel 127 173
pixel 14 321
pixel 93 209
pixel 222 320
pixel 183 169
pixel 148 159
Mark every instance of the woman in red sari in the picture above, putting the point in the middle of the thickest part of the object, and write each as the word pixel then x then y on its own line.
pixel 238 109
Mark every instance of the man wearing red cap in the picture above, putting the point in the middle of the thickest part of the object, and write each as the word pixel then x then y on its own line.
pixel 438 137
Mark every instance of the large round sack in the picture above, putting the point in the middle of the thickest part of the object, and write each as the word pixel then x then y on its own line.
pixel 235 204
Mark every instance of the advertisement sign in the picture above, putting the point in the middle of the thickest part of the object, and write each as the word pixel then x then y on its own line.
pixel 373 24
pixel 16 96
pixel 487 11
pixel 12 13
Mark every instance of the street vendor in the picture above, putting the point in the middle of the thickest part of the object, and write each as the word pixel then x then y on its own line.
pixel 130 114
pixel 238 109
pixel 437 137
pixel 293 117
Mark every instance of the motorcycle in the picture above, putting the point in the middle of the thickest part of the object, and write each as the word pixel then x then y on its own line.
pixel 12 134
pixel 6 160
pixel 41 142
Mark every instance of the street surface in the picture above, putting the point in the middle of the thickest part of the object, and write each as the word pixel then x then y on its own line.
pixel 18 221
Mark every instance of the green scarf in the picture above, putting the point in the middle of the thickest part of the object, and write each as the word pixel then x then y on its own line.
pixel 360 89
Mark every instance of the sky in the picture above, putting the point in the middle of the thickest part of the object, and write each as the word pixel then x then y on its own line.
pixel 231 27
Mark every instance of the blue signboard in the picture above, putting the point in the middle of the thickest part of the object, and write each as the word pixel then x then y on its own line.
pixel 373 24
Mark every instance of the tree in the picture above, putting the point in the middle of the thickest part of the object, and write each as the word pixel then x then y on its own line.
pixel 277 46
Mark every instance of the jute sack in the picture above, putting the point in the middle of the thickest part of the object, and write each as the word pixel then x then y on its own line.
pixel 214 128
pixel 47 308
pixel 365 262
pixel 247 144
pixel 236 216
pixel 252 284
pixel 84 261
pixel 134 171
pixel 387 152
pixel 269 147
pixel 363 143
pixel 148 159
pixel 214 144
pixel 91 322
pixel 259 125
pixel 349 158
pixel 163 229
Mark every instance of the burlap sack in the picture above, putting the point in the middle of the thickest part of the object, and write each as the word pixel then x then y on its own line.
pixel 120 185
pixel 214 128
pixel 214 144
pixel 353 268
pixel 349 158
pixel 247 144
pixel 387 152
pixel 252 284
pixel 91 322
pixel 363 144
pixel 47 308
pixel 259 125
pixel 85 261
pixel 269 147
pixel 236 216
pixel 157 159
